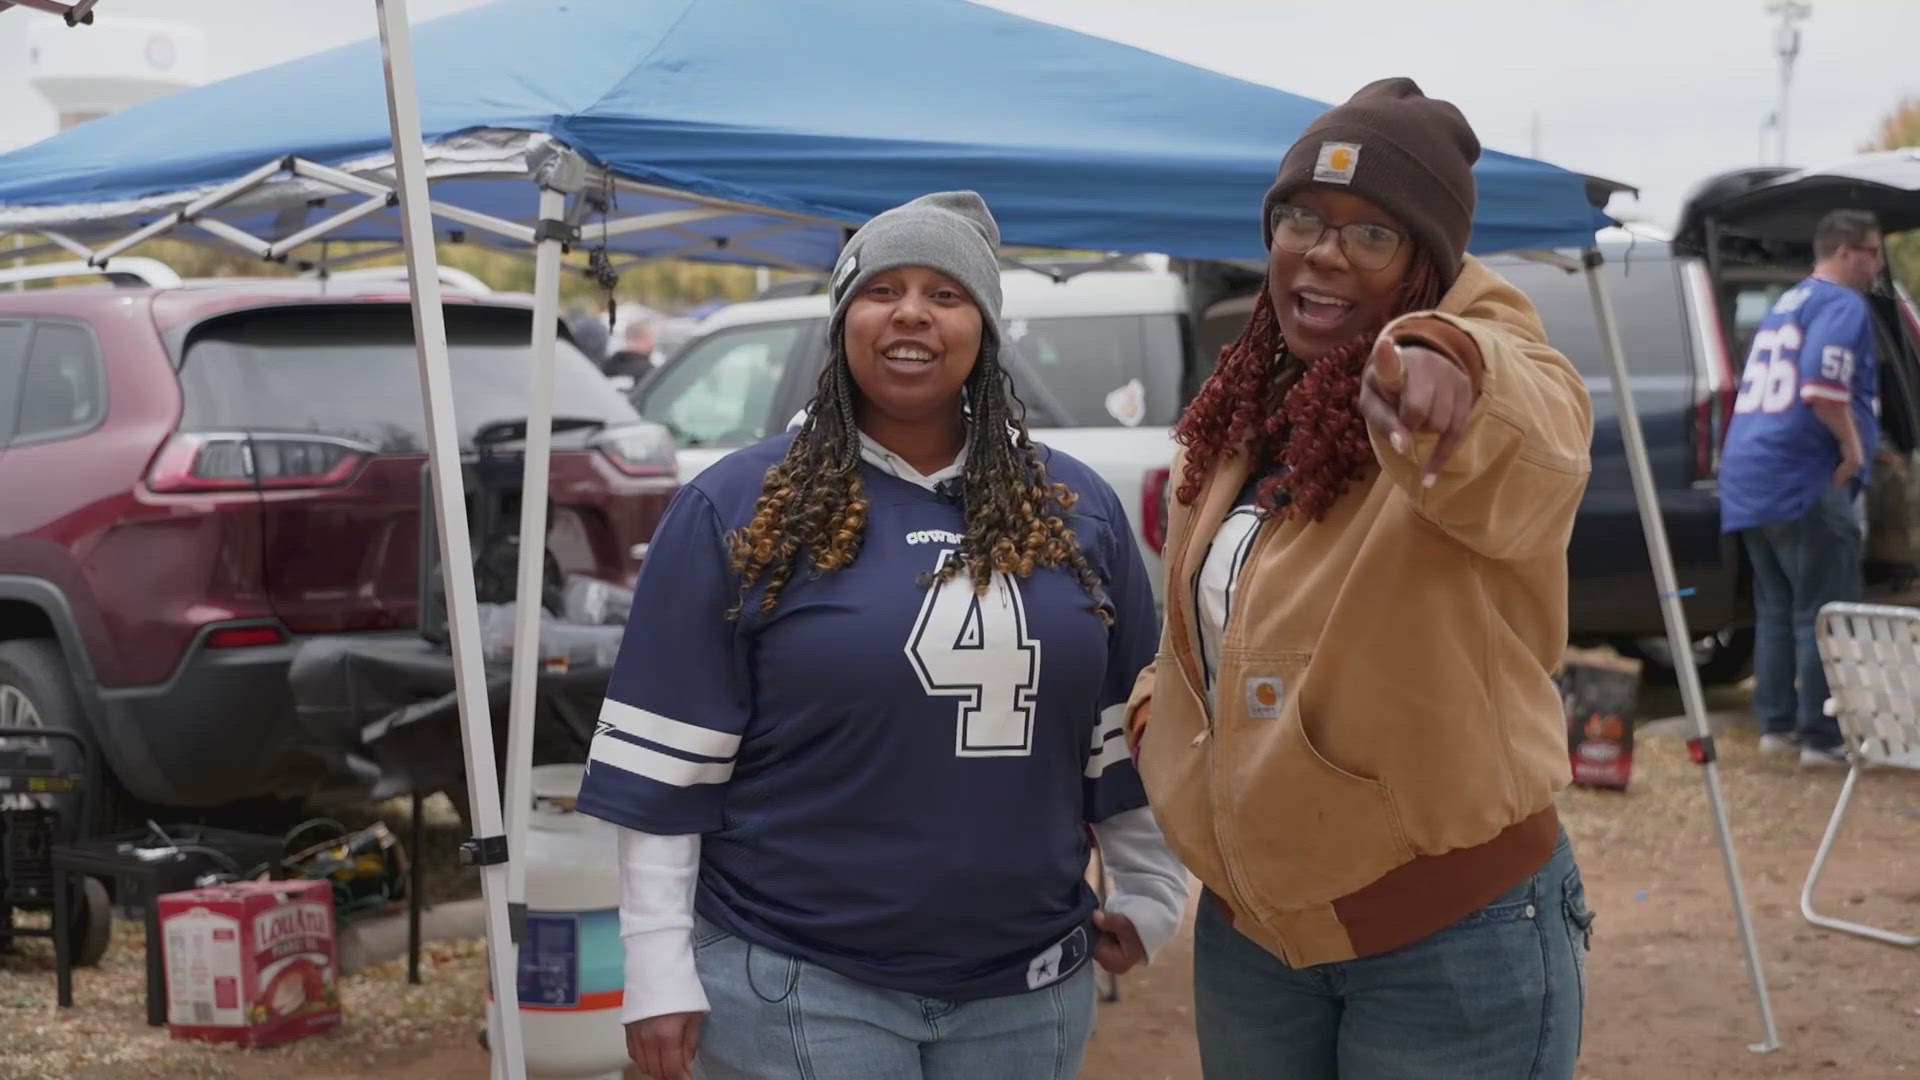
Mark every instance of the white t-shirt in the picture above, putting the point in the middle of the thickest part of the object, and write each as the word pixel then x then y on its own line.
pixel 1213 587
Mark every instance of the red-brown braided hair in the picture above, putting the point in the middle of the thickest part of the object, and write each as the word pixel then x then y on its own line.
pixel 1262 400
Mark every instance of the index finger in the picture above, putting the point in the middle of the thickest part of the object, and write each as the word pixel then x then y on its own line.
pixel 663 1055
pixel 1384 416
pixel 1387 366
pixel 648 1058
pixel 668 1061
pixel 690 1042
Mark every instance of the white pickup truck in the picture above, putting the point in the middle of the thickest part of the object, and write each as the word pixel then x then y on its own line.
pixel 1104 360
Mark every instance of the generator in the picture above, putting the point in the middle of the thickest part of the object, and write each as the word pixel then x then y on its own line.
pixel 44 802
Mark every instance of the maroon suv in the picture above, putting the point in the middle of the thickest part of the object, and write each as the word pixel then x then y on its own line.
pixel 194 478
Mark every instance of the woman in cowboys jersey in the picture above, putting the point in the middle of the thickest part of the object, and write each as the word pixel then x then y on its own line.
pixel 867 706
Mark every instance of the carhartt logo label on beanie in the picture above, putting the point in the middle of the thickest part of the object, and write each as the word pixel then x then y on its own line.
pixel 845 274
pixel 1337 162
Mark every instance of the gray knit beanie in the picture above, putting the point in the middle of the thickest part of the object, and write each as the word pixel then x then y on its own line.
pixel 949 231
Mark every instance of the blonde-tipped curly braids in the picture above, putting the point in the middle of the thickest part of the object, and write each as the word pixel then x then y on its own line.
pixel 812 507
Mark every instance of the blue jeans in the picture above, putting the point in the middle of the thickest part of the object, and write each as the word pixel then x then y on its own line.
pixel 1498 995
pixel 775 1017
pixel 1798 567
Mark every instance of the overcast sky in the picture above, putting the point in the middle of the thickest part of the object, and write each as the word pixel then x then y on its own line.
pixel 1656 93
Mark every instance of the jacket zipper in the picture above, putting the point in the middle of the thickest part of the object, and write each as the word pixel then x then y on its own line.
pixel 1228 857
pixel 1260 539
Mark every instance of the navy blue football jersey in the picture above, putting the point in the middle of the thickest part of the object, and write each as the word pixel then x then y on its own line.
pixel 892 780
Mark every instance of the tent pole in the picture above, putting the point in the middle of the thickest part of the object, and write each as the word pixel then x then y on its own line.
pixel 1645 494
pixel 488 849
pixel 533 548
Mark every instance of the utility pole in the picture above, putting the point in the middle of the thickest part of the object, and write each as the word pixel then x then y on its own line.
pixel 1786 46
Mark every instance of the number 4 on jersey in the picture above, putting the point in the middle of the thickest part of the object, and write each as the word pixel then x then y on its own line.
pixel 975 648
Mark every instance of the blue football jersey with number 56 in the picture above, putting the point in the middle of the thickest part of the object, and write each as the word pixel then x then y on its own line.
pixel 1815 345
pixel 891 780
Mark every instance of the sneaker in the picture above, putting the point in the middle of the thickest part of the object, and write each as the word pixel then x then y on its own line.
pixel 1775 743
pixel 1833 757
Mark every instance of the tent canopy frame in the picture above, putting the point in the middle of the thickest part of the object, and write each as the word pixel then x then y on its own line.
pixel 588 189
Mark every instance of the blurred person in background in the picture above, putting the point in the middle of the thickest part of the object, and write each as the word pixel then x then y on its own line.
pixel 590 334
pixel 636 355
pixel 1798 457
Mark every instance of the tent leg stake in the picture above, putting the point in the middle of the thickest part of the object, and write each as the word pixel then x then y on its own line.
pixel 456 546
pixel 1701 747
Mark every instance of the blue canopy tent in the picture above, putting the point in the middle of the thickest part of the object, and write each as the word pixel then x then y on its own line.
pixel 750 131
pixel 1074 141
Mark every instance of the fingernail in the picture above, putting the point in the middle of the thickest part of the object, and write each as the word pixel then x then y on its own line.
pixel 1429 480
pixel 1399 443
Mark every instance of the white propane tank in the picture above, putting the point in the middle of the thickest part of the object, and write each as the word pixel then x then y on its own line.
pixel 571 963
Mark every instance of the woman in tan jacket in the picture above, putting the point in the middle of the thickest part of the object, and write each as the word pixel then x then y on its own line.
pixel 1349 732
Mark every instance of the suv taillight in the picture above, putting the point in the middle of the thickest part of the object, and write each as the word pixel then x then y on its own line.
pixel 639 449
pixel 1713 398
pixel 1153 508
pixel 1905 302
pixel 240 462
pixel 245 637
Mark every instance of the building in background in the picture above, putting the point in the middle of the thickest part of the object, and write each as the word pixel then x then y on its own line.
pixel 90 71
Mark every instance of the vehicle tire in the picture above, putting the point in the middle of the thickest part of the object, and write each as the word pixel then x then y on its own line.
pixel 91 929
pixel 37 691
pixel 1723 659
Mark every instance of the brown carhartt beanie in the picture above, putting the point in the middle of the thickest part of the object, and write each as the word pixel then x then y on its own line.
pixel 1393 145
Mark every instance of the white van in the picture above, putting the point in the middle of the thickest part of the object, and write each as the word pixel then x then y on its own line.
pixel 1104 360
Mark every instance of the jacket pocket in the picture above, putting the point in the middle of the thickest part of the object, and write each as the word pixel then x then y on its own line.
pixel 1300 829
pixel 1173 765
pixel 1140 704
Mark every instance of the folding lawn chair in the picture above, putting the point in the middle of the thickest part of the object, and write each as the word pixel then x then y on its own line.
pixel 1872 657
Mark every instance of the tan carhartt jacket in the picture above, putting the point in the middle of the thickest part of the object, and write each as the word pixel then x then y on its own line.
pixel 1388 740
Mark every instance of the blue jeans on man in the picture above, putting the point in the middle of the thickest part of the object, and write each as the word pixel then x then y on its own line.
pixel 1799 566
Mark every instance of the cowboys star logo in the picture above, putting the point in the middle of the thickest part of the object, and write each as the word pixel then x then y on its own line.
pixel 1058 960
pixel 1044 969
pixel 600 727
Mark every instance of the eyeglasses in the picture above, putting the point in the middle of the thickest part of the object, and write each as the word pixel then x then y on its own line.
pixel 1368 246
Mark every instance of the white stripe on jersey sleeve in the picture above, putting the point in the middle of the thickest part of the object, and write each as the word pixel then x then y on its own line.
pixel 1109 740
pixel 610 749
pixel 1823 392
pixel 651 726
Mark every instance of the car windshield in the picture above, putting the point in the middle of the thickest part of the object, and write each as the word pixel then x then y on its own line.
pixel 1646 293
pixel 1098 370
pixel 349 371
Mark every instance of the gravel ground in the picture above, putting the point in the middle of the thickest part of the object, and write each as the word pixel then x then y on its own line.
pixel 1669 995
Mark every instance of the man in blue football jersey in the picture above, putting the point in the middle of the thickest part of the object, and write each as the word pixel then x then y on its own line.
pixel 868 710
pixel 1797 456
